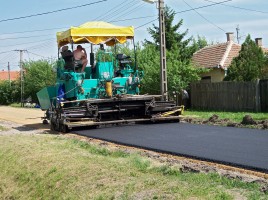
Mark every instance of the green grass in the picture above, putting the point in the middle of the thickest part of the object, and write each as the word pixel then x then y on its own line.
pixel 56 167
pixel 234 116
pixel 15 105
pixel 2 128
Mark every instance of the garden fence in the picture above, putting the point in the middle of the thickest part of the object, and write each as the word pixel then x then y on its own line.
pixel 230 96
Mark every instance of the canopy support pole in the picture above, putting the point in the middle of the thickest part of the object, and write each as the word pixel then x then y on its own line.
pixel 135 54
pixel 72 45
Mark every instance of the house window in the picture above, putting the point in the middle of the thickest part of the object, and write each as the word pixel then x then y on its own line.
pixel 206 79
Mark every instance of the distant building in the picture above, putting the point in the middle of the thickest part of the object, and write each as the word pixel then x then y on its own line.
pixel 14 75
pixel 218 58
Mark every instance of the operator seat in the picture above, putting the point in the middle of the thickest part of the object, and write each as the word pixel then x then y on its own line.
pixel 68 57
pixel 123 61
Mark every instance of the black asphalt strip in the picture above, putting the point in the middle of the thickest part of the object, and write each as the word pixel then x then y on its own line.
pixel 241 147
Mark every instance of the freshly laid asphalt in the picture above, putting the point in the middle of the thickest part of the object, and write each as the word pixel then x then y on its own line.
pixel 240 147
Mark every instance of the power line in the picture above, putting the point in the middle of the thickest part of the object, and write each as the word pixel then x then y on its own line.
pixel 237 7
pixel 36 54
pixel 37 30
pixel 25 43
pixel 50 12
pixel 204 17
pixel 127 19
pixel 111 10
pixel 130 10
pixel 122 20
pixel 118 11
pixel 40 30
pixel 3 52
pixel 183 11
pixel 125 11
pixel 23 37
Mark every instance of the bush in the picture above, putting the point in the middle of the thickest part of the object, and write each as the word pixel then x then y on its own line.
pixel 9 93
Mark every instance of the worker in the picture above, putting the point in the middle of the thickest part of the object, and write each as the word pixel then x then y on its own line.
pixel 80 57
pixel 185 98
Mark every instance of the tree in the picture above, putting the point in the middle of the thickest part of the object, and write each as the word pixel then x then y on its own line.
pixel 149 62
pixel 264 71
pixel 180 73
pixel 9 93
pixel 38 75
pixel 174 38
pixel 199 43
pixel 249 64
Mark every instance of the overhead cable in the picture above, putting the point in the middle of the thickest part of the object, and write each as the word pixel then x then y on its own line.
pixel 183 11
pixel 241 8
pixel 50 12
pixel 110 11
pixel 204 17
pixel 129 10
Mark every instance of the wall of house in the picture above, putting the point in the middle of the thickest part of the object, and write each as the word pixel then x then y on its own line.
pixel 216 74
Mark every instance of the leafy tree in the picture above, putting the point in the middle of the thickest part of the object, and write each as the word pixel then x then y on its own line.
pixel 9 93
pixel 38 74
pixel 174 38
pixel 149 62
pixel 264 71
pixel 179 73
pixel 199 43
pixel 249 64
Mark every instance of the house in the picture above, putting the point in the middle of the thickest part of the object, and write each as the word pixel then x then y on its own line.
pixel 218 58
pixel 14 75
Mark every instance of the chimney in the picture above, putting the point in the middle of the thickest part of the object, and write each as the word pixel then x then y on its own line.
pixel 230 36
pixel 258 41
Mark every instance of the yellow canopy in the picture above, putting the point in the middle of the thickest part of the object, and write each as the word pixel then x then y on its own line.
pixel 96 32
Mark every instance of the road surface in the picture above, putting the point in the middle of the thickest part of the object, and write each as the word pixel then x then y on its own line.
pixel 241 147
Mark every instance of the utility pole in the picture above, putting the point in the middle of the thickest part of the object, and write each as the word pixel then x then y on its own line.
pixel 8 69
pixel 162 36
pixel 163 65
pixel 237 34
pixel 21 77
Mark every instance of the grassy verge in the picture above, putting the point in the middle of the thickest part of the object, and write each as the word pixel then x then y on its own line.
pixel 3 128
pixel 55 167
pixel 15 105
pixel 234 116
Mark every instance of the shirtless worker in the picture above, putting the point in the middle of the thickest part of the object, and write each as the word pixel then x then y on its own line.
pixel 80 56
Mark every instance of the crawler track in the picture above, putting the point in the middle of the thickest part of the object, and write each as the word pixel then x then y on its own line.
pixel 239 147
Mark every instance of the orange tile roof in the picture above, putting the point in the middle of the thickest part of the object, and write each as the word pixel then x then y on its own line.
pixel 13 75
pixel 265 50
pixel 218 55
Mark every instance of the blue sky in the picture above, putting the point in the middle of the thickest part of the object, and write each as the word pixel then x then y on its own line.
pixel 222 18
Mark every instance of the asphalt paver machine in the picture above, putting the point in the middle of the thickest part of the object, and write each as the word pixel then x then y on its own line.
pixel 107 92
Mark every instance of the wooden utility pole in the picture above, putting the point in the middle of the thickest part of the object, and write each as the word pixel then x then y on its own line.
pixel 163 64
pixel 162 35
pixel 21 77
pixel 8 69
pixel 237 34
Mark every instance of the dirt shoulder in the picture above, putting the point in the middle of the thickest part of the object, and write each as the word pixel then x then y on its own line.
pixel 28 117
